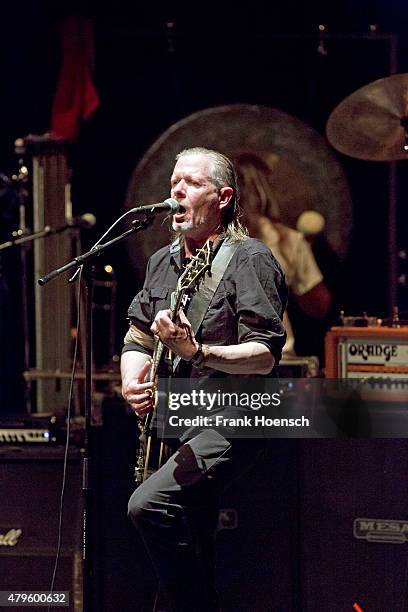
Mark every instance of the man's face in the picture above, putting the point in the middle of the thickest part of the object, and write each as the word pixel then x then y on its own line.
pixel 199 199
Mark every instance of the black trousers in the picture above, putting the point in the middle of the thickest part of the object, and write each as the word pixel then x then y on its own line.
pixel 176 513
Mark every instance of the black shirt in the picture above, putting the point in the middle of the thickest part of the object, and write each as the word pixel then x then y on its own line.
pixel 247 306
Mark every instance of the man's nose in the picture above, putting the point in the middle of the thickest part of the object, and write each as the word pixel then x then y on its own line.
pixel 179 189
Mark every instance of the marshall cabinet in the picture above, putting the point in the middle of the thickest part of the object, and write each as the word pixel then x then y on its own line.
pixel 30 488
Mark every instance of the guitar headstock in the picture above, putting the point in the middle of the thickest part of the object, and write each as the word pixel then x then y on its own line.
pixel 195 270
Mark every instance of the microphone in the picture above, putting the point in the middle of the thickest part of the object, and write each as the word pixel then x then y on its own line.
pixel 85 221
pixel 169 205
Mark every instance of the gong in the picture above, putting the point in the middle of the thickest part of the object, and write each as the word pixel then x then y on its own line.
pixel 305 174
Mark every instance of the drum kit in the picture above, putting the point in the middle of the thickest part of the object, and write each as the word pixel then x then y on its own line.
pixel 370 124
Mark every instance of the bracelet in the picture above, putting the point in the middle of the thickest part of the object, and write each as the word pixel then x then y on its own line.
pixel 200 356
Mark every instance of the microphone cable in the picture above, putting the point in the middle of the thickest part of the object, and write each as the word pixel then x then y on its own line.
pixel 67 439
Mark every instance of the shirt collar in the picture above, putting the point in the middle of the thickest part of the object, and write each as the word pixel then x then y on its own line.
pixel 175 253
pixel 176 249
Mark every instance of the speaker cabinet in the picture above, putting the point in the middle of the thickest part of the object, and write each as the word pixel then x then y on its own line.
pixel 257 536
pixel 30 489
pixel 354 524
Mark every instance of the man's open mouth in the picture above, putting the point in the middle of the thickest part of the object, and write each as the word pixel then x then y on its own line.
pixel 180 213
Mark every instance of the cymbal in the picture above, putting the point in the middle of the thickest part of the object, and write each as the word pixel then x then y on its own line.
pixel 305 174
pixel 371 123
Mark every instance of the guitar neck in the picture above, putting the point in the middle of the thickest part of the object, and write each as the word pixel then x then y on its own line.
pixel 156 359
pixel 187 284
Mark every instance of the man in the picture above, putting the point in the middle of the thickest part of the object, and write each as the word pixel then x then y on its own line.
pixel 262 218
pixel 175 509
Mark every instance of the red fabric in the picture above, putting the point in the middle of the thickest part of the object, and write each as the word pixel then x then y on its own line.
pixel 76 97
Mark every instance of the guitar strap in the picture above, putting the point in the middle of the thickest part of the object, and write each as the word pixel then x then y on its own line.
pixel 202 298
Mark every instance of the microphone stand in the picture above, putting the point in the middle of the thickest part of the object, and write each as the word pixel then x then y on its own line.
pixel 86 260
pixel 47 231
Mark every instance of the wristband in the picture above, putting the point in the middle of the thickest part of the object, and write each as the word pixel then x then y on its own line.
pixel 200 356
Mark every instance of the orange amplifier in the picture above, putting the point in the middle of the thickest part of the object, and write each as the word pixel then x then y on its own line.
pixel 362 352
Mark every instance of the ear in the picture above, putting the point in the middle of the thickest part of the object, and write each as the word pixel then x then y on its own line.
pixel 226 194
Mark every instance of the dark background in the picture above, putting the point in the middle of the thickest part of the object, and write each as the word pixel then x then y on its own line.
pixel 148 76
pixel 155 65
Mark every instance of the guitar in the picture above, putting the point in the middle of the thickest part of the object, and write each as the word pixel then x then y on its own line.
pixel 187 284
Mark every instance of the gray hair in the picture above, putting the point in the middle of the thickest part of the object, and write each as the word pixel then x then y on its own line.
pixel 223 174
